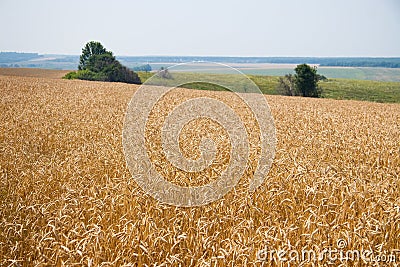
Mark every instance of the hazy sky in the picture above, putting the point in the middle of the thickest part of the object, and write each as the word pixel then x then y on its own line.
pixel 206 27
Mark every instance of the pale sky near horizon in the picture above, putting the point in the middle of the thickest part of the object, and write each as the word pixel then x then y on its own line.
pixel 329 28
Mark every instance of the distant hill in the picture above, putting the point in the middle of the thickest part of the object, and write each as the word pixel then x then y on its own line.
pixel 362 68
pixel 15 57
pixel 322 61
pixel 66 60
pixel 35 60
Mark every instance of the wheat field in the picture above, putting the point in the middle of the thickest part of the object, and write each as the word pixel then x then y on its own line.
pixel 68 199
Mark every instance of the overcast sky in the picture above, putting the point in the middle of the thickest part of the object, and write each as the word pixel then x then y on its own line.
pixel 204 27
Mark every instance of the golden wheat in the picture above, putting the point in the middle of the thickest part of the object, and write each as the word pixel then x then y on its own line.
pixel 67 197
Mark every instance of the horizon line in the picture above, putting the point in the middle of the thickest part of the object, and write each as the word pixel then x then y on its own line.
pixel 215 56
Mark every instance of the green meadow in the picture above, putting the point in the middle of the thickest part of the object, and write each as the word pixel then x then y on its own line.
pixel 335 88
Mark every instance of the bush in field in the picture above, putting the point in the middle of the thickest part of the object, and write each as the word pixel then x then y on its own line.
pixel 86 75
pixel 98 64
pixel 164 73
pixel 306 79
pixel 287 86
pixel 303 83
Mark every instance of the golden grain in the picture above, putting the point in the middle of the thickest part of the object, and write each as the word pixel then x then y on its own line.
pixel 67 198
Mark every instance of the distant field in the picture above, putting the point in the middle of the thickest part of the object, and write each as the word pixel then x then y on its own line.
pixel 362 90
pixel 365 90
pixel 267 69
pixel 68 199
pixel 380 69
pixel 379 74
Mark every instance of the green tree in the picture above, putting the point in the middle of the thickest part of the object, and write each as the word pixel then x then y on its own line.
pixel 146 68
pixel 98 64
pixel 90 49
pixel 306 79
